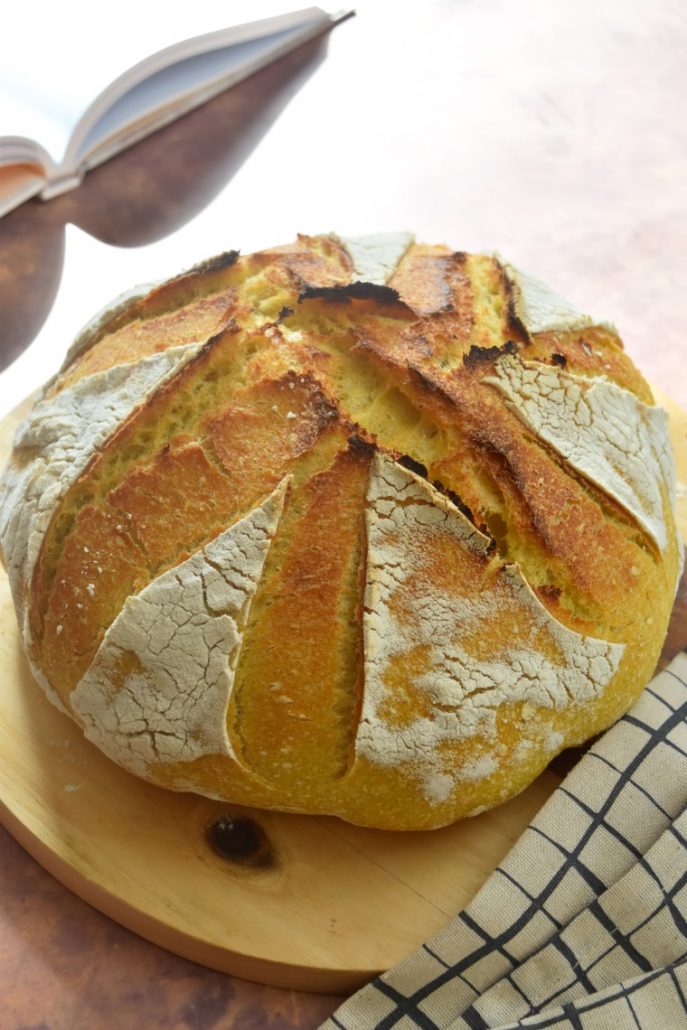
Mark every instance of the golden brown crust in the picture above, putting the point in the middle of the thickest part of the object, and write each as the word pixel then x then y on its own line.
pixel 304 375
pixel 99 567
pixel 301 700
pixel 198 321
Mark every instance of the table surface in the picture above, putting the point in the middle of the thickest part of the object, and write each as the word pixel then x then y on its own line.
pixel 552 133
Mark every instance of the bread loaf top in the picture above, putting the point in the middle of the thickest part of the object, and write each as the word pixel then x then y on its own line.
pixel 358 526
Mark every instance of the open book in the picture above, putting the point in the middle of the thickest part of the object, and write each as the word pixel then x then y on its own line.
pixel 153 92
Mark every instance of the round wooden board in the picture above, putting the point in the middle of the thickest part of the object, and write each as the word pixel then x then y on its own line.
pixel 334 906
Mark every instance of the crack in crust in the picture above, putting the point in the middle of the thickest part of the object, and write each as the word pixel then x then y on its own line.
pixel 602 430
pixel 487 557
pixel 55 444
pixel 538 308
pixel 159 686
pixel 436 626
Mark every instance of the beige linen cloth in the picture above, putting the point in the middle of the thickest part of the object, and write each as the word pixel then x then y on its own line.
pixel 584 923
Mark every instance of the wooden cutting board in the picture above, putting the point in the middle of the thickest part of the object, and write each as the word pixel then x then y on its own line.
pixel 302 902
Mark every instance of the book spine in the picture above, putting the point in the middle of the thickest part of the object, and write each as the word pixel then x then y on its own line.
pixel 62 184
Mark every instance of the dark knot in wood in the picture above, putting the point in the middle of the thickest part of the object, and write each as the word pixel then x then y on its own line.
pixel 242 841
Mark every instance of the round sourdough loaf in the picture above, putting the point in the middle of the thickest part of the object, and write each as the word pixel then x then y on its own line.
pixel 351 526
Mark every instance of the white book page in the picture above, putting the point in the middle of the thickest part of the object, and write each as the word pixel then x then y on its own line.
pixel 57 57
pixel 156 90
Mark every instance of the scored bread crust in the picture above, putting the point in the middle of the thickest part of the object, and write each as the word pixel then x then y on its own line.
pixel 356 526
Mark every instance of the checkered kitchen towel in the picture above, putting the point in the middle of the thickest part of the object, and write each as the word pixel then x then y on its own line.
pixel 584 924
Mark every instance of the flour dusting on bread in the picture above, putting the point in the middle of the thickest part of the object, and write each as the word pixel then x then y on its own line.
pixel 53 446
pixel 603 431
pixel 435 629
pixel 472 566
pixel 158 689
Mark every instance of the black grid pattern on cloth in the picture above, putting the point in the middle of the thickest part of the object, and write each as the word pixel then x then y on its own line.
pixel 656 1000
pixel 590 903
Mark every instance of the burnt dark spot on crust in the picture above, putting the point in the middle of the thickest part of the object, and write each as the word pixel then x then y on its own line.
pixel 559 359
pixel 241 841
pixel 361 446
pixel 515 323
pixel 477 356
pixel 352 291
pixel 285 312
pixel 415 466
pixel 420 470
pixel 232 326
pixel 214 264
pixel 455 499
